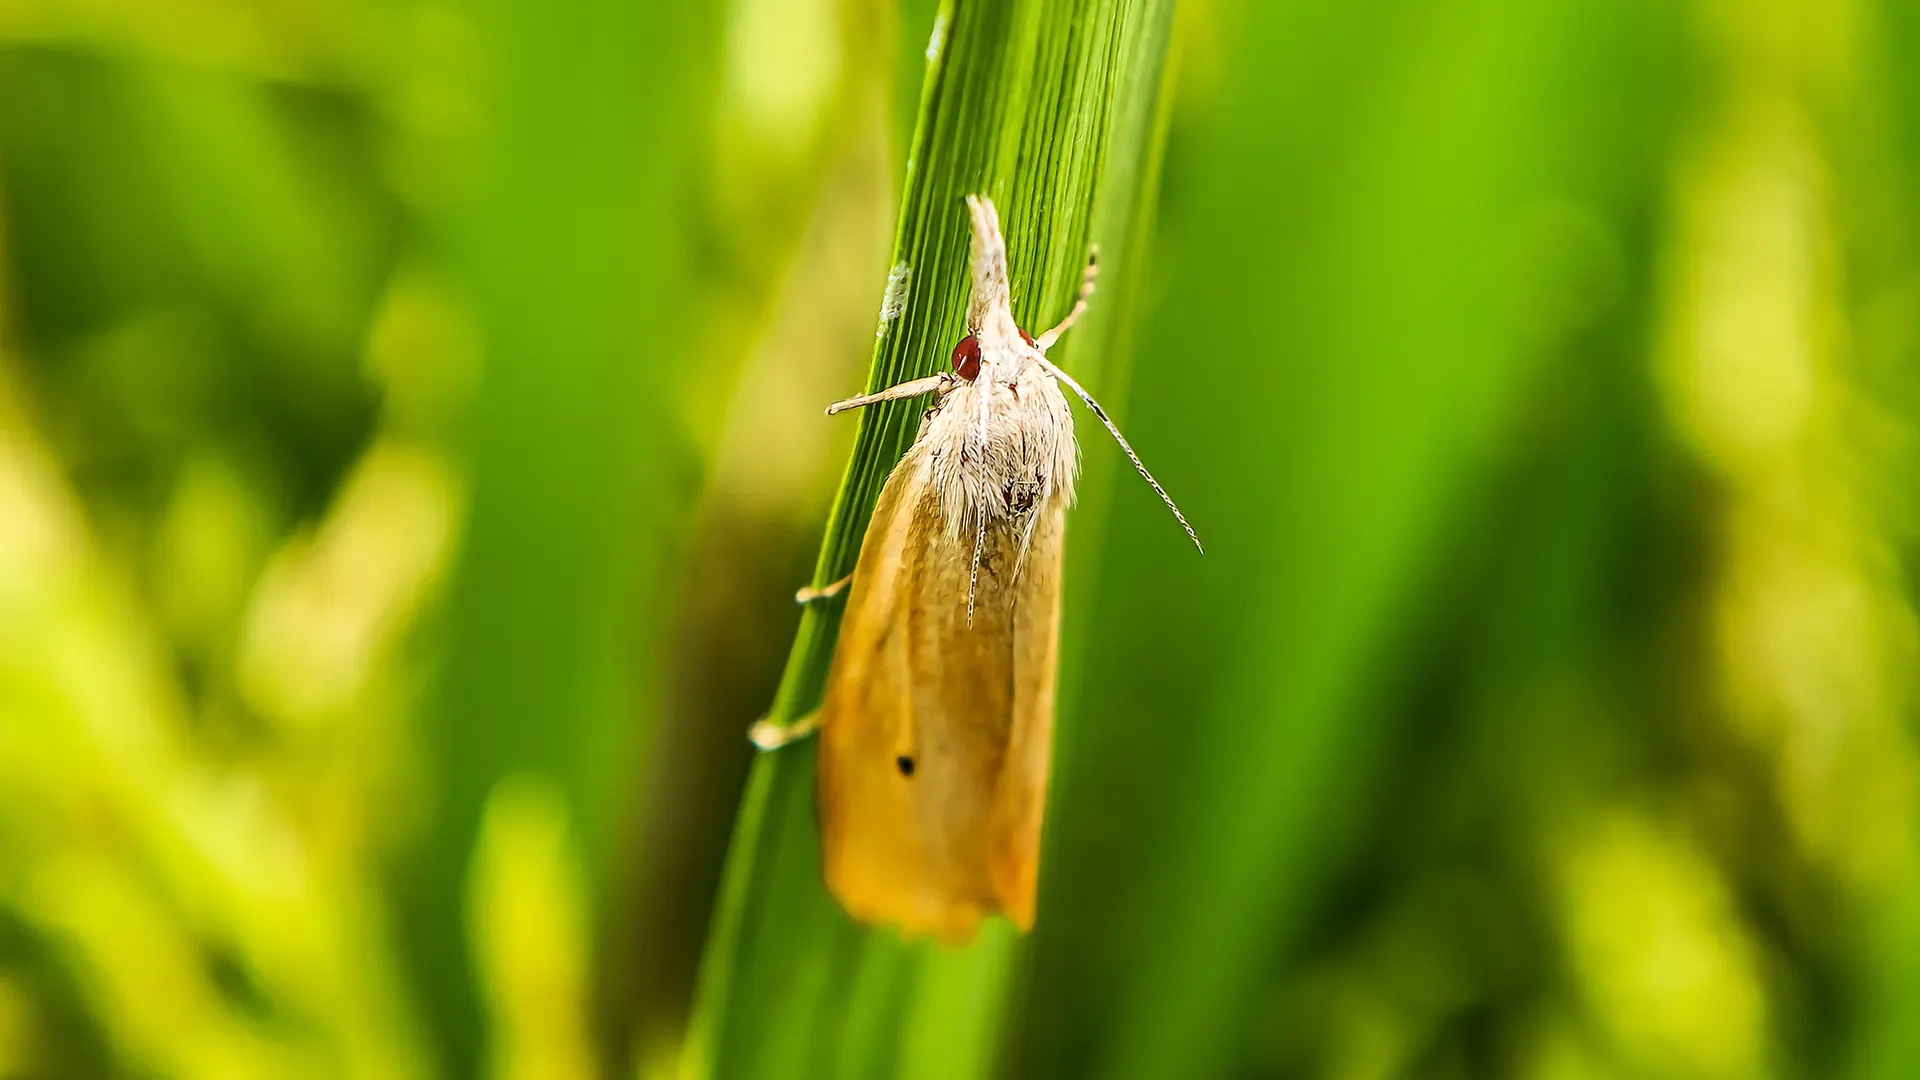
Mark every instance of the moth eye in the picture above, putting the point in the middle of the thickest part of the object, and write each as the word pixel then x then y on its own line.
pixel 966 364
pixel 903 761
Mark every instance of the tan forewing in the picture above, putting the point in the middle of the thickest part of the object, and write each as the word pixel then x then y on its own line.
pixel 1020 801
pixel 934 733
pixel 866 713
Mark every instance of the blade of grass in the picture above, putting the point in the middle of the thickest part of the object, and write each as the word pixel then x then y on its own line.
pixel 1018 103
pixel 572 246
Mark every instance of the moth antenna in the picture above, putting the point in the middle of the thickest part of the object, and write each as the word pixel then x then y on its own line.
pixel 973 578
pixel 1114 430
pixel 1087 279
pixel 981 413
pixel 892 393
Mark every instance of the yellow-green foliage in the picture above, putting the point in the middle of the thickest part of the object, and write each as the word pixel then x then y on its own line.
pixel 410 442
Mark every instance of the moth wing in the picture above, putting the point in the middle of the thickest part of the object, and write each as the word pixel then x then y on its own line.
pixel 935 735
pixel 871 847
pixel 1020 802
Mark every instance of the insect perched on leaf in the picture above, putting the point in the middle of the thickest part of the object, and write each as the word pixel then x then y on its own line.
pixel 937 724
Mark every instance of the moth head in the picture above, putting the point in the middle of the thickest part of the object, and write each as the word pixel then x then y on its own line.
pixel 967 354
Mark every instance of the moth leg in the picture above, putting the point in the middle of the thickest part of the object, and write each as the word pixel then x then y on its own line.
pixel 808 593
pixel 913 388
pixel 768 735
pixel 1044 341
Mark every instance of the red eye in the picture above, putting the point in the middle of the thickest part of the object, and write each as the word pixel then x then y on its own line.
pixel 966 357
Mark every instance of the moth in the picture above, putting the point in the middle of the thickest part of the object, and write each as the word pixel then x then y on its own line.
pixel 937 723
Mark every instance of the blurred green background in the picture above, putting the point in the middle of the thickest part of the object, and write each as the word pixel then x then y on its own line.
pixel 411 438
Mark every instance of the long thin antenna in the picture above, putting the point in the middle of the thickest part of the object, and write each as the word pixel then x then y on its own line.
pixel 973 577
pixel 1054 370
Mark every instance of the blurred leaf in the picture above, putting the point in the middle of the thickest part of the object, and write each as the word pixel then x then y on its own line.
pixel 222 296
pixel 575 247
pixel 1341 342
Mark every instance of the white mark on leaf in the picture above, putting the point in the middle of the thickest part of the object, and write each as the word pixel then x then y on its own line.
pixel 894 300
pixel 939 31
